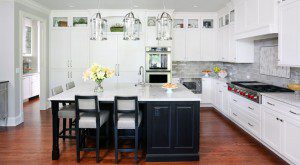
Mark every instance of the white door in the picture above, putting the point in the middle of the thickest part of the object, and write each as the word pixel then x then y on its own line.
pixel 208 45
pixel 271 128
pixel 60 48
pixel 291 143
pixel 128 77
pixel 193 44
pixel 225 99
pixel 225 43
pixel 79 48
pixel 26 88
pixel 289 34
pixel 104 53
pixel 151 36
pixel 179 45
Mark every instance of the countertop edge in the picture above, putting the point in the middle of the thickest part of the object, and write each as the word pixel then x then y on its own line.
pixel 281 99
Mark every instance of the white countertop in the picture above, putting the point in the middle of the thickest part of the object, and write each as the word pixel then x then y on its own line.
pixel 146 93
pixel 289 98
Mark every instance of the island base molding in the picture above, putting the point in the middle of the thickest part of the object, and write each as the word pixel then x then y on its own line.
pixel 171 157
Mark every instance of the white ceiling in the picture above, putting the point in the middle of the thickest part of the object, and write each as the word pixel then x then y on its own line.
pixel 178 5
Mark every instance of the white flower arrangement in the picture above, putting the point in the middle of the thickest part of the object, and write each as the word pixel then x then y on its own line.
pixel 97 73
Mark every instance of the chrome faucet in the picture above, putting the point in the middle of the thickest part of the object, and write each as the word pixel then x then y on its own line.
pixel 142 73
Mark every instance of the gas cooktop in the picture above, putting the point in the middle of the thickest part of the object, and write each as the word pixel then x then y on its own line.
pixel 252 89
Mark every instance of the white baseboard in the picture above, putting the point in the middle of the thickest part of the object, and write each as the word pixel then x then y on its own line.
pixel 12 121
pixel 206 105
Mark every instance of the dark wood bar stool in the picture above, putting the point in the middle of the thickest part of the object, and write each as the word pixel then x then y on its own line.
pixel 126 117
pixel 89 116
pixel 65 112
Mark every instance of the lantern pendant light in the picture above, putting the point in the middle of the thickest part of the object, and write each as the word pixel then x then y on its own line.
pixel 164 26
pixel 132 26
pixel 98 26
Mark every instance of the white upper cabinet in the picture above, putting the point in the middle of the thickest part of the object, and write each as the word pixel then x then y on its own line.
pixel 194 37
pixel 289 34
pixel 105 52
pixel 193 45
pixel 79 48
pixel 255 18
pixel 131 54
pixel 178 45
pixel 60 48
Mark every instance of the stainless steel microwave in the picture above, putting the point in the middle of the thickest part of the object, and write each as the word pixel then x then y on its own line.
pixel 158 77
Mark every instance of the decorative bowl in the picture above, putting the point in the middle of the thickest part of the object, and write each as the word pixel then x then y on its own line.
pixel 222 74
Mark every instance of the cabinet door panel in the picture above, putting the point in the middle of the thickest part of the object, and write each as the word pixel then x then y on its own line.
pixel 60 48
pixel 179 45
pixel 206 90
pixel 208 45
pixel 185 125
pixel 128 77
pixel 240 10
pixel 289 35
pixel 104 53
pixel 59 77
pixel 131 54
pixel 291 143
pixel 193 45
pixel 159 128
pixel 271 129
pixel 26 88
pixel 252 13
pixel 80 48
pixel 35 85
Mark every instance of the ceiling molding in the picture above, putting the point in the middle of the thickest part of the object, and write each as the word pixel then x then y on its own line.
pixel 34 5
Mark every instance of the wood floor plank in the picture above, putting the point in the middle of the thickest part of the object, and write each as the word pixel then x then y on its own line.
pixel 221 142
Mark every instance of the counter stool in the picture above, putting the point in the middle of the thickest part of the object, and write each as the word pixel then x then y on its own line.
pixel 70 85
pixel 89 116
pixel 126 117
pixel 65 112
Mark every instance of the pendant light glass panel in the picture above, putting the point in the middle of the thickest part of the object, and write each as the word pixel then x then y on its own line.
pixel 132 27
pixel 164 27
pixel 98 28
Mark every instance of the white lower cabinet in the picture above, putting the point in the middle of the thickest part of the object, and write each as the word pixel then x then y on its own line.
pixel 271 128
pixel 290 140
pixel 31 86
pixel 206 91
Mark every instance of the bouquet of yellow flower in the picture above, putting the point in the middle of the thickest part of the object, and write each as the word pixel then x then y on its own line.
pixel 97 74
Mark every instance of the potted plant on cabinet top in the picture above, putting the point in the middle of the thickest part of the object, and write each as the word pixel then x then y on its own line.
pixel 80 22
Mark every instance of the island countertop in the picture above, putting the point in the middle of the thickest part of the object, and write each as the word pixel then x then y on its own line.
pixel 153 92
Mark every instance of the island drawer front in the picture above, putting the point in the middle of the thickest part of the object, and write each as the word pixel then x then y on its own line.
pixel 173 128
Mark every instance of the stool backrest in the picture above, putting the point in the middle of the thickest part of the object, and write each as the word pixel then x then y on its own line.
pixel 126 105
pixel 87 104
pixel 70 85
pixel 57 90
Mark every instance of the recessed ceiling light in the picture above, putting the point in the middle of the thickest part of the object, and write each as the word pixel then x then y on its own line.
pixel 195 6
pixel 136 6
pixel 71 6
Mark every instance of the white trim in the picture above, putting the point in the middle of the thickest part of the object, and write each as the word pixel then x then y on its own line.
pixel 43 60
pixel 12 121
pixel 34 5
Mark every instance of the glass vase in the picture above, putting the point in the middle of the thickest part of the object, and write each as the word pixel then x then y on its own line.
pixel 99 88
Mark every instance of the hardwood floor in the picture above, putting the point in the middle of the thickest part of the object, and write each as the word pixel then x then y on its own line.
pixel 221 142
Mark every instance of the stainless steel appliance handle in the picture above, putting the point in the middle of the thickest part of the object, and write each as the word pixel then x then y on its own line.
pixel 116 70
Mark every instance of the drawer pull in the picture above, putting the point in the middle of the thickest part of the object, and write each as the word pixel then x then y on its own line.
pixel 234 114
pixel 250 124
pixel 270 104
pixel 234 100
pixel 294 113
pixel 251 108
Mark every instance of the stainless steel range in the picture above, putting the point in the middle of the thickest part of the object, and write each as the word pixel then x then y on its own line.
pixel 252 89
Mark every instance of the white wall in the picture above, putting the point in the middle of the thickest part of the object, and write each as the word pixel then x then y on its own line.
pixel 7 51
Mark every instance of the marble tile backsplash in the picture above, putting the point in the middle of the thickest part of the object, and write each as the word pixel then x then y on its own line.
pixel 238 71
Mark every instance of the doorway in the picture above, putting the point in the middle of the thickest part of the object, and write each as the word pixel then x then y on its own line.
pixel 33 84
